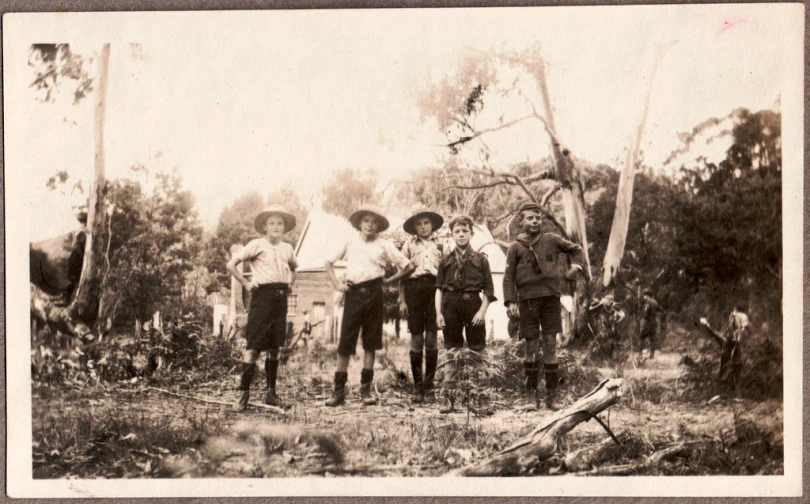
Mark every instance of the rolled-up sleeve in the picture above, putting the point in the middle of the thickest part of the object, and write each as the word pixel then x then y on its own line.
pixel 509 294
pixel 395 256
pixel 338 254
pixel 248 251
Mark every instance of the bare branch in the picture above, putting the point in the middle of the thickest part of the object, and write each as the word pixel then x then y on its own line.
pixel 494 222
pixel 549 194
pixel 482 186
pixel 478 133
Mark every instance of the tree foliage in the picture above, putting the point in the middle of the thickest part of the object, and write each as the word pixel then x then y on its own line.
pixel 717 228
pixel 347 189
pixel 154 244
pixel 54 63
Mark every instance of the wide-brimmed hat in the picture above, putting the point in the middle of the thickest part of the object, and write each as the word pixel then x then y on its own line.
pixel 363 210
pixel 289 219
pixel 422 211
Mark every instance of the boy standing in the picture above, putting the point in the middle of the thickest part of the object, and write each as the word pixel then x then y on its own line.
pixel 416 295
pixel 460 309
pixel 649 322
pixel 273 264
pixel 366 258
pixel 531 290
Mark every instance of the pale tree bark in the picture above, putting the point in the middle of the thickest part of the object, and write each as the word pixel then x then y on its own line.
pixel 79 317
pixel 570 183
pixel 624 196
pixel 541 443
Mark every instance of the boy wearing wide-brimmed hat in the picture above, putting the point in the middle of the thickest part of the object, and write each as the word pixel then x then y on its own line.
pixel 417 293
pixel 273 264
pixel 531 290
pixel 461 309
pixel 366 257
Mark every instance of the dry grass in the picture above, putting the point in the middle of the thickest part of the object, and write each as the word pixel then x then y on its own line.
pixel 84 431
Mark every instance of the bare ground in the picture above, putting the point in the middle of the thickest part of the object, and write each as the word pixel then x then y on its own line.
pixel 128 429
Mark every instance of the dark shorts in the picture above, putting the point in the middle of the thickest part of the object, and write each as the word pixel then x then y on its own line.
pixel 363 312
pixel 420 296
pixel 267 317
pixel 539 312
pixel 458 309
pixel 647 331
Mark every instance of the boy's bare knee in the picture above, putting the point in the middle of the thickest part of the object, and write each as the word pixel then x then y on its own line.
pixel 417 341
pixel 431 342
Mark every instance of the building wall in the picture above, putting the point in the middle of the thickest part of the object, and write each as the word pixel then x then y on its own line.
pixel 312 287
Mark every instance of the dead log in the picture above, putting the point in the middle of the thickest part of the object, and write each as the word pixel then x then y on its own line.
pixel 541 443
pixel 585 458
pixel 652 461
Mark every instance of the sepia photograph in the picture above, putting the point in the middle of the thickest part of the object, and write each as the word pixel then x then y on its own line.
pixel 351 252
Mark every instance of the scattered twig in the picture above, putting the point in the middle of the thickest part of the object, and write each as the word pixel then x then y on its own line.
pixel 275 409
pixel 368 468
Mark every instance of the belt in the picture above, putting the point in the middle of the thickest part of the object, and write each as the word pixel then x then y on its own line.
pixel 466 296
pixel 279 289
pixel 365 288
pixel 422 278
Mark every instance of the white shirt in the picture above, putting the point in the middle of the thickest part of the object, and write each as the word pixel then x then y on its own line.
pixel 269 263
pixel 367 260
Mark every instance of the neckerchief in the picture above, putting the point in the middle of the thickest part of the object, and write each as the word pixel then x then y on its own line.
pixel 529 242
pixel 461 261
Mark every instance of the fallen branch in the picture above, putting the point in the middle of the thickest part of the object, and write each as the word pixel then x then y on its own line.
pixel 651 461
pixel 585 458
pixel 541 443
pixel 368 468
pixel 275 409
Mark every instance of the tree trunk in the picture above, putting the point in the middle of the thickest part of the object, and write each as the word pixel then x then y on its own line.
pixel 86 302
pixel 624 196
pixel 81 315
pixel 730 361
pixel 570 182
pixel 566 174
pixel 541 443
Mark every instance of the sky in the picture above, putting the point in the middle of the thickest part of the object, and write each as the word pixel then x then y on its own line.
pixel 252 101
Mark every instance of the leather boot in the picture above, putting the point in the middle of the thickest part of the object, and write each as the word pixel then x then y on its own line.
pixel 416 370
pixel 339 395
pixel 431 361
pixel 366 377
pixel 449 404
pixel 271 372
pixel 531 369
pixel 248 370
pixel 552 377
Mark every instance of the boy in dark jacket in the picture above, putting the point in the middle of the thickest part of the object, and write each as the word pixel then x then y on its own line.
pixel 460 309
pixel 531 289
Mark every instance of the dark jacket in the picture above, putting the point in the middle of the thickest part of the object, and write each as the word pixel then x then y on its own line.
pixel 477 278
pixel 531 266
